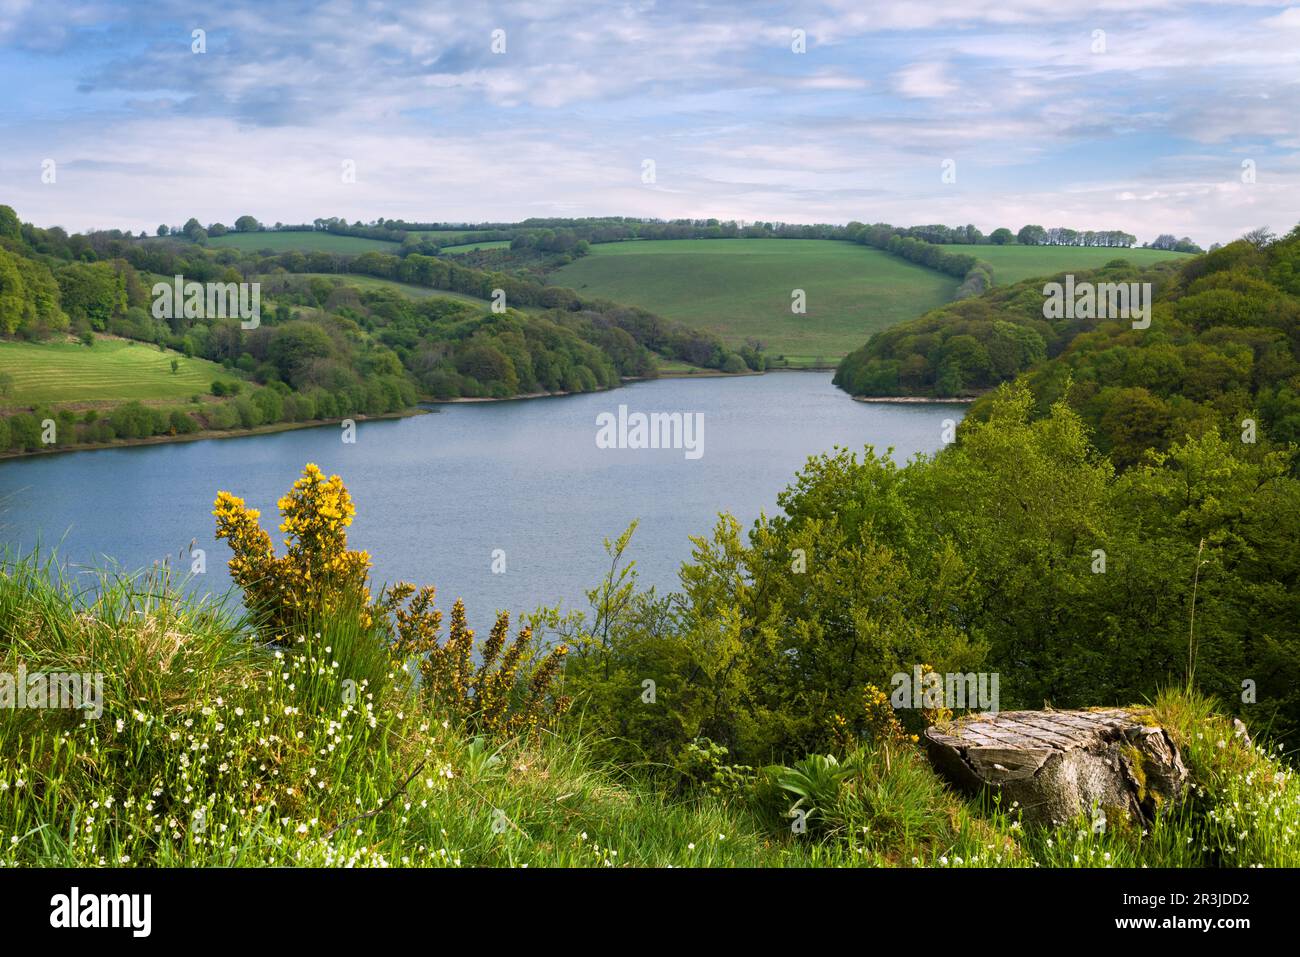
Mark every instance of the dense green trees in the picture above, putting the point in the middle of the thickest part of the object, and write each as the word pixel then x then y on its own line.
pixel 10 228
pixel 1019 550
pixel 1221 352
pixel 92 293
pixel 29 298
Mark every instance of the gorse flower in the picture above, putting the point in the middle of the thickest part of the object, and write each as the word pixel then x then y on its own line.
pixel 881 722
pixel 507 694
pixel 511 692
pixel 317 574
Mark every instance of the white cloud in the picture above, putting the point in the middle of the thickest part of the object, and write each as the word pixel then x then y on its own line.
pixel 738 124
pixel 924 80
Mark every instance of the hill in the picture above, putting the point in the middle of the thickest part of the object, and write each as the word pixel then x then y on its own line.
pixel 1013 263
pixel 305 241
pixel 741 289
pixel 362 282
pixel 113 370
pixel 473 247
pixel 1222 349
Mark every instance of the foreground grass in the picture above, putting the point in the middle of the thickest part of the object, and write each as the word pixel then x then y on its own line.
pixel 112 370
pixel 215 750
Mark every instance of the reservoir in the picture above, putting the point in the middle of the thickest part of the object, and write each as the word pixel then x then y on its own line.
pixel 440 496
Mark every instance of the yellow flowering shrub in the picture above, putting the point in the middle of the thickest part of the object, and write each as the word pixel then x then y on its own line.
pixel 317 574
pixel 510 692
pixel 940 714
pixel 881 721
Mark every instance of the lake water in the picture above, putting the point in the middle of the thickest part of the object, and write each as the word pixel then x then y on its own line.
pixel 437 494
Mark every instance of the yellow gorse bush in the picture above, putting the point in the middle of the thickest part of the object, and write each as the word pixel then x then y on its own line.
pixel 318 577
pixel 881 722
pixel 507 694
pixel 317 574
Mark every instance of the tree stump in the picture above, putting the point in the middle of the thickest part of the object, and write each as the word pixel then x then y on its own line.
pixel 1060 764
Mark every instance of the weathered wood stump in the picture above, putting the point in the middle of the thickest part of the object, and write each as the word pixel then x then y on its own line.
pixel 1059 764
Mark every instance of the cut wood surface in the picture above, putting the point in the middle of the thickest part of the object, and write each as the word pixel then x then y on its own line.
pixel 1056 765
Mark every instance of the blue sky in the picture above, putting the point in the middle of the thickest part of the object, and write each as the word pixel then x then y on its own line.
pixel 1142 126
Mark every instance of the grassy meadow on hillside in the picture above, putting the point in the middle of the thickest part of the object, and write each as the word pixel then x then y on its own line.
pixel 411 290
pixel 113 370
pixel 740 289
pixel 445 235
pixel 1014 263
pixel 471 247
pixel 305 241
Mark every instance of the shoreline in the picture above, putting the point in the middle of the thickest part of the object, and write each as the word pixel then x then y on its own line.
pixel 702 374
pixel 422 408
pixel 209 434
pixel 912 400
pixel 710 374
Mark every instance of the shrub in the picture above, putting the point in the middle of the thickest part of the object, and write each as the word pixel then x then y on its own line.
pixel 319 580
pixel 510 693
pixel 317 572
pixel 734 363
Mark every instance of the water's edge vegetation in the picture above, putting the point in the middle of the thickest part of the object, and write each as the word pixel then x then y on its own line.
pixel 333 723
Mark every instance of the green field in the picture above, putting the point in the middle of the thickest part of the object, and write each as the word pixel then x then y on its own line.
pixel 446 235
pixel 113 370
pixel 405 288
pixel 304 241
pixel 470 247
pixel 1014 263
pixel 741 289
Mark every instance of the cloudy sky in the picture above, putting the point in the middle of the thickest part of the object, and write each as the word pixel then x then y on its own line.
pixel 1142 115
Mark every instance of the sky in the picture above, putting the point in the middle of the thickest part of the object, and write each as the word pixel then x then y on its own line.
pixel 1151 116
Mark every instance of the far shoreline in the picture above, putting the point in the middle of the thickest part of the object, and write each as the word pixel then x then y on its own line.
pixel 427 406
pixel 913 400
pixel 206 434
